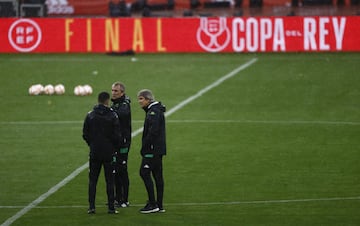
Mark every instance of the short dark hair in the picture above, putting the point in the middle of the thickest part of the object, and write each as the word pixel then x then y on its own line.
pixel 103 97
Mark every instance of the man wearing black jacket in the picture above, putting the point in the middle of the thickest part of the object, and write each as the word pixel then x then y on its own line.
pixel 121 105
pixel 152 151
pixel 101 131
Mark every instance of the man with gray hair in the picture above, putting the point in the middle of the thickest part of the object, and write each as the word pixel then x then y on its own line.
pixel 152 150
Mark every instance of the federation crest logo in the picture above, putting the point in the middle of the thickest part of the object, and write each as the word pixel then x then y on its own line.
pixel 213 35
pixel 24 35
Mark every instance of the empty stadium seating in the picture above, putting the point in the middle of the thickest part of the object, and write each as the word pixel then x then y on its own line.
pixel 189 7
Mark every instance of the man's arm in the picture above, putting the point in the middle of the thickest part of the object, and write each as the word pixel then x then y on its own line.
pixel 86 130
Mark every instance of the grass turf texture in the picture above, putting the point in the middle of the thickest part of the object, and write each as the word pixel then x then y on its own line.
pixel 286 128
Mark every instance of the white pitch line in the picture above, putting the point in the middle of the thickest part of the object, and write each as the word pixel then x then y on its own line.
pixel 285 122
pixel 40 122
pixel 211 86
pixel 49 122
pixel 266 201
pixel 275 201
pixel 266 122
pixel 44 196
pixel 136 132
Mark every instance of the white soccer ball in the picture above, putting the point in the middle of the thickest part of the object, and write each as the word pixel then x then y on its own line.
pixel 88 89
pixel 49 89
pixel 36 89
pixel 40 88
pixel 31 90
pixel 79 90
pixel 59 89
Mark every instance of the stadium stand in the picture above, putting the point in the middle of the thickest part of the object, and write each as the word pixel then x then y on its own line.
pixel 32 8
pixel 8 8
pixel 119 9
pixel 266 7
pixel 179 8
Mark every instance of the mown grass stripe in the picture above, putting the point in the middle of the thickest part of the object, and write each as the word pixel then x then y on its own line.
pixel 325 122
pixel 52 190
pixel 211 203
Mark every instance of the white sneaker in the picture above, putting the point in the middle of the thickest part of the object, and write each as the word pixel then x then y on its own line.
pixel 161 210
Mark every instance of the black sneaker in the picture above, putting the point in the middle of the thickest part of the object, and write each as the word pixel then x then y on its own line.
pixel 91 211
pixel 113 211
pixel 149 208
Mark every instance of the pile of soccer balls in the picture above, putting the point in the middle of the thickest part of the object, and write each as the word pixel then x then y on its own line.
pixel 59 89
pixel 83 90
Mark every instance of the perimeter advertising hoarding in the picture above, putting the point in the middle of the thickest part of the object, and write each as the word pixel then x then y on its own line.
pixel 161 35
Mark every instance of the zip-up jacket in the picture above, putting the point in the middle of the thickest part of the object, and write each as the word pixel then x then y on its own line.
pixel 122 108
pixel 154 138
pixel 101 131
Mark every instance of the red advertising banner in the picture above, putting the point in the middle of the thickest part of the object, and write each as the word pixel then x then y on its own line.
pixel 161 35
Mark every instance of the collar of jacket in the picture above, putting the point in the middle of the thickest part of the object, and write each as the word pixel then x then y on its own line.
pixel 146 109
pixel 101 109
pixel 152 104
pixel 118 100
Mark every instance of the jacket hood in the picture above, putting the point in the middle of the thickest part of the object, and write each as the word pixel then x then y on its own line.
pixel 101 109
pixel 157 105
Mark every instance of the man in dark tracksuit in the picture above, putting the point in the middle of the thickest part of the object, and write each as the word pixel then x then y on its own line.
pixel 152 151
pixel 121 105
pixel 101 132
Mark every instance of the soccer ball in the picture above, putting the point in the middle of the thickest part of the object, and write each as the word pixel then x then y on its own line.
pixel 59 89
pixel 35 90
pixel 88 89
pixel 79 91
pixel 85 90
pixel 49 89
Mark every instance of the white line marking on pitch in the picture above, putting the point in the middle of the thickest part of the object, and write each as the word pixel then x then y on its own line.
pixel 211 86
pixel 44 196
pixel 136 132
pixel 211 203
pixel 245 121
pixel 49 122
pixel 266 122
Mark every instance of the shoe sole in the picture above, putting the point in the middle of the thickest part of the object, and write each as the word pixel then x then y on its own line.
pixel 150 211
pixel 91 211
pixel 116 212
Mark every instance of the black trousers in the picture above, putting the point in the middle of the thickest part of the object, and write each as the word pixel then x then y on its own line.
pixel 151 168
pixel 121 178
pixel 94 172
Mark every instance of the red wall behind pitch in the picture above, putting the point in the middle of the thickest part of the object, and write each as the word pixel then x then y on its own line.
pixel 159 35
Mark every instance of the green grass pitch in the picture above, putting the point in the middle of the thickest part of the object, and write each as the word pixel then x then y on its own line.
pixel 276 144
